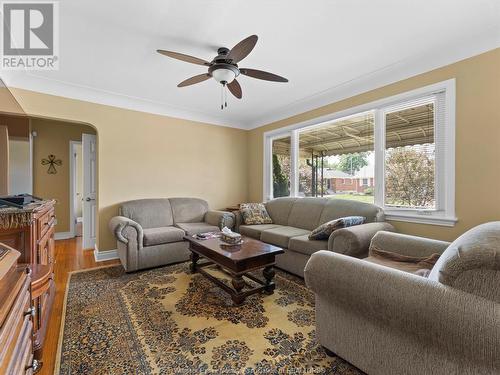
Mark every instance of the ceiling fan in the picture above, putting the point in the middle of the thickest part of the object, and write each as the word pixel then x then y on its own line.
pixel 224 68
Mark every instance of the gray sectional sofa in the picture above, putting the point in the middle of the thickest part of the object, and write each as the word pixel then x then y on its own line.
pixel 294 218
pixel 149 232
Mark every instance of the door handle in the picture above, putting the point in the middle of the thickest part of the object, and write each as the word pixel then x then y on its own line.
pixel 90 199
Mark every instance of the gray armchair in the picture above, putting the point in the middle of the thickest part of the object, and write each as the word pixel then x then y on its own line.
pixel 386 321
pixel 150 232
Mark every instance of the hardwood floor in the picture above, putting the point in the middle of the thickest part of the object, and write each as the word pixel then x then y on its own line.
pixel 69 257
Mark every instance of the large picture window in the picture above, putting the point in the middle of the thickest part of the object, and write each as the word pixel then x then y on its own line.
pixel 410 166
pixel 397 153
pixel 335 158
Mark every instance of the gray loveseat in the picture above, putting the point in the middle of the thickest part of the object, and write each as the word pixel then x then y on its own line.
pixel 149 232
pixel 386 321
pixel 294 218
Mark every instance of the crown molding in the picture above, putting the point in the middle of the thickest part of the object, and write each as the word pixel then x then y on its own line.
pixel 27 81
pixel 393 73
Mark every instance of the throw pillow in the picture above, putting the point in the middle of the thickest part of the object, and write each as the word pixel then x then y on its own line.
pixel 324 230
pixel 255 213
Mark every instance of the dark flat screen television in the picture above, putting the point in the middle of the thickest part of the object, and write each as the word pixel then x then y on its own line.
pixel 18 201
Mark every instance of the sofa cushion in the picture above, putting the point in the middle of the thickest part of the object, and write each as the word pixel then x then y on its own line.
pixel 306 212
pixel 195 228
pixel 337 208
pixel 279 209
pixel 254 213
pixel 161 235
pixel 188 210
pixel 415 264
pixel 303 245
pixel 255 231
pixel 476 250
pixel 149 213
pixel 401 266
pixel 280 236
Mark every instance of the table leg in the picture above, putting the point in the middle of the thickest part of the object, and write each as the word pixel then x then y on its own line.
pixel 238 284
pixel 269 275
pixel 194 260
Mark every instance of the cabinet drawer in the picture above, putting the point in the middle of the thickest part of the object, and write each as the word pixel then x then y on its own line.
pixel 20 356
pixel 27 356
pixel 21 306
pixel 45 247
pixel 42 250
pixel 15 327
pixel 46 221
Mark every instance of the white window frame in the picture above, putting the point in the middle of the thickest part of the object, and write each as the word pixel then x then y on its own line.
pixel 444 214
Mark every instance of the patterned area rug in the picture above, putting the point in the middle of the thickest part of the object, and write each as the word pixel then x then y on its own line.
pixel 167 321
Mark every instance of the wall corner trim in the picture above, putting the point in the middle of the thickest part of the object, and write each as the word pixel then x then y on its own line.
pixel 101 256
pixel 63 235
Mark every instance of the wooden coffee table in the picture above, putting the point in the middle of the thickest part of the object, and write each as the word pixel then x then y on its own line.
pixel 237 261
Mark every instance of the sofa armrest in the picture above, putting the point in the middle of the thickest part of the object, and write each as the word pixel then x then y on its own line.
pixel 446 318
pixel 355 240
pixel 238 220
pixel 121 227
pixel 405 244
pixel 220 219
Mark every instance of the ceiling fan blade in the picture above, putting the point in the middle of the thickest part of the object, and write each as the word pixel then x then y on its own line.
pixel 242 49
pixel 196 79
pixel 235 88
pixel 260 74
pixel 183 57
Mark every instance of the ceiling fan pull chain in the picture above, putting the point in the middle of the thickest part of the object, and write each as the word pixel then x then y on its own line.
pixel 225 95
pixel 222 97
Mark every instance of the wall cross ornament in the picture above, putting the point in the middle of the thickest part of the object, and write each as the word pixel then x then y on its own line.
pixel 52 162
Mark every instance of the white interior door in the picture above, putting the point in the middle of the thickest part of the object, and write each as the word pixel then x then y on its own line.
pixel 89 190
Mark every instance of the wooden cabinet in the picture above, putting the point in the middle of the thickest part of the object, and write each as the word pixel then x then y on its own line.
pixel 35 242
pixel 16 317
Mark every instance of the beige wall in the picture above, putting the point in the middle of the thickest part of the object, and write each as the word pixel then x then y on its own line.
pixel 8 104
pixel 11 126
pixel 477 140
pixel 53 137
pixel 18 125
pixel 144 155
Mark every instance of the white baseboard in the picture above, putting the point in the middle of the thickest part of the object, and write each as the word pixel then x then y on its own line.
pixel 101 256
pixel 63 235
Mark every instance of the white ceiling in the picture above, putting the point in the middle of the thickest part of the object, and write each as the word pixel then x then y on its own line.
pixel 328 49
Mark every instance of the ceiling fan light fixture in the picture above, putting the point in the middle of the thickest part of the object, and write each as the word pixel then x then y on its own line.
pixel 224 68
pixel 224 75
